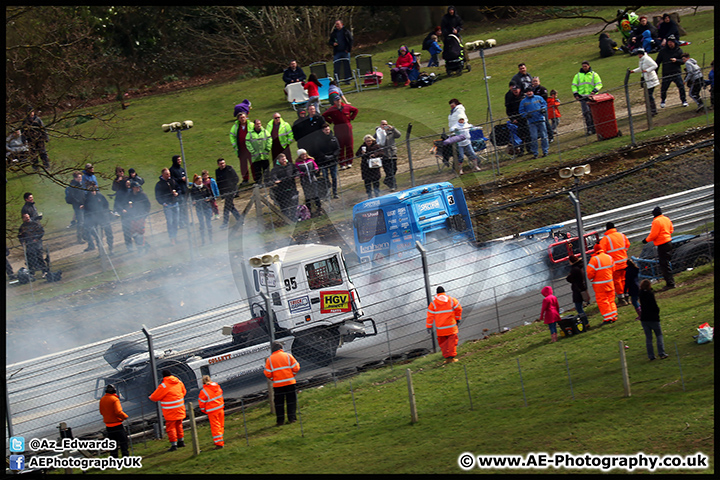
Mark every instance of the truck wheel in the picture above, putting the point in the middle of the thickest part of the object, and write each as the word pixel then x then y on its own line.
pixel 317 346
pixel 182 372
pixel 702 259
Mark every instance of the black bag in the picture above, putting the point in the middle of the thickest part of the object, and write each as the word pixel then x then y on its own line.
pixel 500 135
pixel 424 80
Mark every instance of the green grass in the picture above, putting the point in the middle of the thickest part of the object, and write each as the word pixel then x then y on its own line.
pixel 665 414
pixel 137 140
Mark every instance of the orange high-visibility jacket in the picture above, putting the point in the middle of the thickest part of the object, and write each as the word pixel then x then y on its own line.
pixel 111 410
pixel 445 311
pixel 281 367
pixel 616 245
pixel 171 395
pixel 660 231
pixel 211 398
pixel 600 269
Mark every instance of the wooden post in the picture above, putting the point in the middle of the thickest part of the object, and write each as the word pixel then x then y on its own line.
pixel 623 365
pixel 271 396
pixel 193 428
pixel 411 396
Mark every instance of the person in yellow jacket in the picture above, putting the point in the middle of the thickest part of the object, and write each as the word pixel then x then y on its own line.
pixel 211 403
pixel 280 368
pixel 171 395
pixel 258 143
pixel 600 273
pixel 113 416
pixel 616 245
pixel 585 83
pixel 661 236
pixel 445 312
pixel 281 136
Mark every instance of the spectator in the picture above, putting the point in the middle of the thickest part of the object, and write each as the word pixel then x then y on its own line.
pixel 259 144
pixel 341 41
pixel 512 109
pixel 177 172
pixel 451 23
pixel 238 135
pixel 293 74
pixel 464 147
pixel 284 189
pixel 670 58
pixel 404 62
pixel 457 111
pixel 435 50
pixel 88 175
pixel 30 235
pixel 371 172
pixel 385 136
pixel 16 148
pixel 632 285
pixel 522 78
pixel 637 36
pixel 550 311
pixel 711 81
pixel 113 417
pixel 75 196
pixel 171 395
pixel 281 135
pixel 201 197
pixel 539 90
pixel 661 236
pixel 307 170
pixel 97 219
pixel 693 79
pixel 334 88
pixel 445 312
pixel 647 44
pixel 667 28
pixel 138 210
pixel 616 245
pixel 313 91
pixel 650 319
pixel 428 40
pixel 33 130
pixel 119 180
pixel 30 208
pixel 648 67
pixel 578 285
pixel 211 184
pixel 307 130
pixel 132 175
pixel 553 111
pixel 212 404
pixel 227 181
pixel 585 83
pixel 121 207
pixel 280 368
pixel 341 116
pixel 166 195
pixel 328 150
pixel 607 46
pixel 534 109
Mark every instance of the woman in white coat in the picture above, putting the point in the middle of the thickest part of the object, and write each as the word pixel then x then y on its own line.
pixel 457 111
pixel 648 66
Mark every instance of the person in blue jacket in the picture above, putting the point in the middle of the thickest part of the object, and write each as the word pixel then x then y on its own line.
pixel 533 108
pixel 434 50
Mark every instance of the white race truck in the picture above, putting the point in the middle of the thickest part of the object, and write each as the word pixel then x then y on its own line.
pixel 315 309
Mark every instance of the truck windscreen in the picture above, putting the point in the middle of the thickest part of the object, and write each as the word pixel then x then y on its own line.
pixel 370 224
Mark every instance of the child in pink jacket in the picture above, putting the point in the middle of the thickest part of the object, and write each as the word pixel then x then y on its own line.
pixel 550 312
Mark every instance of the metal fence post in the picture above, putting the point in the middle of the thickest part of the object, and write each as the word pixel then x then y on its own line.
pixel 428 294
pixel 409 152
pixel 627 100
pixel 153 369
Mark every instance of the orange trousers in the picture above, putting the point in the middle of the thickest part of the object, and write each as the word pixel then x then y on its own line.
pixel 448 345
pixel 605 298
pixel 619 281
pixel 174 430
pixel 217 426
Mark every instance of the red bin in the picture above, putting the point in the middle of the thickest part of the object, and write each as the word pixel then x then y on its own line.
pixel 602 108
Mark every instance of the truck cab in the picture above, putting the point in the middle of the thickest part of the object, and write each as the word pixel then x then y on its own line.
pixel 391 224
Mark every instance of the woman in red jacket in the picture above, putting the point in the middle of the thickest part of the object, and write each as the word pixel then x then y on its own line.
pixel 341 115
pixel 404 63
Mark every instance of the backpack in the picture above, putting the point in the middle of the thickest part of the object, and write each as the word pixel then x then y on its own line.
pixel 303 213
pixel 424 80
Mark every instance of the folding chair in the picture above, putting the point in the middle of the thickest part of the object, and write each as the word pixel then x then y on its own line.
pixel 343 65
pixel 296 95
pixel 319 69
pixel 323 91
pixel 478 141
pixel 367 76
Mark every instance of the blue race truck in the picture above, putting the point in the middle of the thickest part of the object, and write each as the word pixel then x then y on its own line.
pixel 389 225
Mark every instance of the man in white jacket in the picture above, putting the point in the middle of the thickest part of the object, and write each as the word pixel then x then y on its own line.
pixel 648 66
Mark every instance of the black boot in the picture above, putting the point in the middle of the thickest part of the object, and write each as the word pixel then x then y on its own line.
pixel 181 442
pixel 172 448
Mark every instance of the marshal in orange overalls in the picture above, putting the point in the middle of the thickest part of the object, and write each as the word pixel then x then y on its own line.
pixel 211 402
pixel 600 274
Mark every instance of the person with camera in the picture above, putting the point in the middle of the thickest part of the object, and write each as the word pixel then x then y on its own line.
pixel 373 157
pixel 385 136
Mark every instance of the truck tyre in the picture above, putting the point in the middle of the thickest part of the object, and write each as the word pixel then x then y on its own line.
pixel 317 346
pixel 182 372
